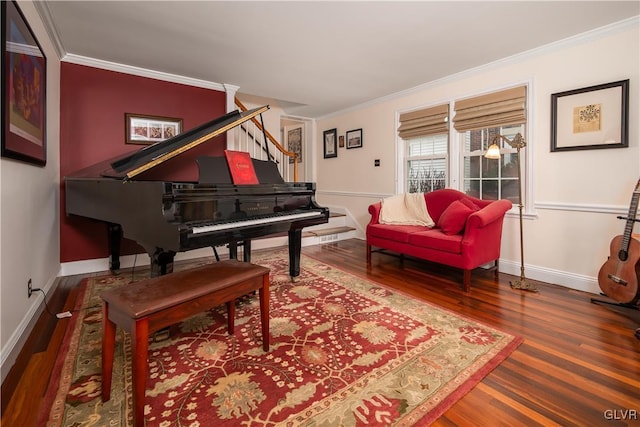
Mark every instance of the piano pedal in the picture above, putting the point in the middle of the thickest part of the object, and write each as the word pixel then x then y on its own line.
pixel 161 335
pixel 247 297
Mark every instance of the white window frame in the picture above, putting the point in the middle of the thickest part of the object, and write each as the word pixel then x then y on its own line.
pixel 408 158
pixel 526 166
pixel 479 153
pixel 401 150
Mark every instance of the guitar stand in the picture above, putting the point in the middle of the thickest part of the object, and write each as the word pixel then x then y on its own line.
pixel 616 304
pixel 621 305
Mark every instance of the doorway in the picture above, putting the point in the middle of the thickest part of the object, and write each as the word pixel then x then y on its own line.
pixel 296 135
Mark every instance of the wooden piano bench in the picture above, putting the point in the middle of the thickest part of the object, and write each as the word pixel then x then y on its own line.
pixel 144 307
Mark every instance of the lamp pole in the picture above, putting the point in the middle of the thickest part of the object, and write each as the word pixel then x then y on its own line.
pixel 518 143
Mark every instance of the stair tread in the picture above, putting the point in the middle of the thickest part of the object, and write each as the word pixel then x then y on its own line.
pixel 332 230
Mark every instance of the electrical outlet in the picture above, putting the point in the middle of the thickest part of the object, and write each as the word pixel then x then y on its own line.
pixel 29 288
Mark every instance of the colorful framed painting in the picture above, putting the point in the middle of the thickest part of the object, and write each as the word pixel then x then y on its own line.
pixel 24 80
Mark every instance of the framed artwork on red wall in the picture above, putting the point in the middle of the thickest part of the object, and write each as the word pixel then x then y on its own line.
pixel 24 79
pixel 144 129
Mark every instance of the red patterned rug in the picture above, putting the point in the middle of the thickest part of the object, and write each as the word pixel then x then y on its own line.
pixel 344 352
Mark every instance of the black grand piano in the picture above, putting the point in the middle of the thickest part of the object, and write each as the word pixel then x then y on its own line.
pixel 168 217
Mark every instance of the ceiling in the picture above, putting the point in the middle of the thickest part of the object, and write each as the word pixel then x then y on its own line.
pixel 318 57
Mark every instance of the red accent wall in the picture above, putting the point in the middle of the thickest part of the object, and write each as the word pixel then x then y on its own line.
pixel 93 103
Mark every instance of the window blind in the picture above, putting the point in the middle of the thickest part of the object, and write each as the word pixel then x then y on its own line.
pixel 428 121
pixel 507 107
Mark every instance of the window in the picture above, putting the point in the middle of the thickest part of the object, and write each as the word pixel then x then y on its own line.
pixel 478 120
pixel 426 135
pixel 426 163
pixel 491 179
pixel 429 159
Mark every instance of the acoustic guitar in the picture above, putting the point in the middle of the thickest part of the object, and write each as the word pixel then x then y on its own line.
pixel 618 277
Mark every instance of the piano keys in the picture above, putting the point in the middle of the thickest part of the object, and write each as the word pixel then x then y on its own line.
pixel 167 217
pixel 263 220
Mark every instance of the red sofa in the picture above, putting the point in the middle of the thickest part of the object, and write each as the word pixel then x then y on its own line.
pixel 467 235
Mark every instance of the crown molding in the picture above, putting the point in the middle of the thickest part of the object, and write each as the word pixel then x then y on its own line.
pixel 45 15
pixel 578 39
pixel 142 72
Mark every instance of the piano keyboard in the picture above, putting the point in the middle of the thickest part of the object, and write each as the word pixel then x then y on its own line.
pixel 250 222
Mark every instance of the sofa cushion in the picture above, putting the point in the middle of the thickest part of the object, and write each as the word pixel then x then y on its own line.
pixel 399 233
pixel 454 217
pixel 436 239
pixel 469 203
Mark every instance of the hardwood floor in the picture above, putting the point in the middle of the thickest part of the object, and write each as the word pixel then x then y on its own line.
pixel 579 363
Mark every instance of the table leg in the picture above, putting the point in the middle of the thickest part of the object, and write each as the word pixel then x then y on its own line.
pixel 264 311
pixel 139 350
pixel 231 316
pixel 108 348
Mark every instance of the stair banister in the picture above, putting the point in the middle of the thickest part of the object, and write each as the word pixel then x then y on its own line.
pixel 273 140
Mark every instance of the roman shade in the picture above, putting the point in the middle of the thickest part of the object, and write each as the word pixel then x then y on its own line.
pixel 507 107
pixel 427 121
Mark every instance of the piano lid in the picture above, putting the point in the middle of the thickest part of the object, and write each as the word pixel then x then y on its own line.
pixel 128 166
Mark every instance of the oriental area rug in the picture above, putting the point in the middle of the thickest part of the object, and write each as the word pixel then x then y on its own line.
pixel 345 351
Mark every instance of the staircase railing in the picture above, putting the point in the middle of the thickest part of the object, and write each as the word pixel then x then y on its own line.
pixel 253 142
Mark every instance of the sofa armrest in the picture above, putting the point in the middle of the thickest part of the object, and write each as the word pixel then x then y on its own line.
pixel 374 210
pixel 492 212
pixel 483 233
pixel 486 224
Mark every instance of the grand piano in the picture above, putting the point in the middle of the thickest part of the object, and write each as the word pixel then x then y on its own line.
pixel 166 217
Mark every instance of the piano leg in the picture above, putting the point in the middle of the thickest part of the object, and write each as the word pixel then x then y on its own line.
pixel 233 250
pixel 114 238
pixel 161 262
pixel 295 247
pixel 246 251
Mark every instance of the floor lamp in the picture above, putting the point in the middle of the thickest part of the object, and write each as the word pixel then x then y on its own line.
pixel 493 152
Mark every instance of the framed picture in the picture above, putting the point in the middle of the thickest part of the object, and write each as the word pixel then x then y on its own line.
pixel 330 138
pixel 354 138
pixel 591 117
pixel 24 80
pixel 341 141
pixel 294 143
pixel 142 129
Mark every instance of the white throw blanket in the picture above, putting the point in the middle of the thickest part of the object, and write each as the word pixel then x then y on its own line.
pixel 405 209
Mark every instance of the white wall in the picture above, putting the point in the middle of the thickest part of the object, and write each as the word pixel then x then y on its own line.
pixel 577 194
pixel 29 218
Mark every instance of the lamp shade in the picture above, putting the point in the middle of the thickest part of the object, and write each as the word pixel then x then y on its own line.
pixel 493 152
